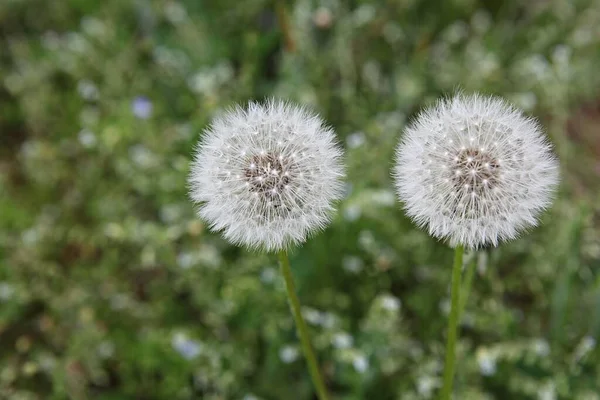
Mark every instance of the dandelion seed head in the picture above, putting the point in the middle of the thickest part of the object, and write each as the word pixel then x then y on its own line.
pixel 474 170
pixel 267 176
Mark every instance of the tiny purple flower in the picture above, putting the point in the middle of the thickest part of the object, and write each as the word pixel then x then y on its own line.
pixel 141 107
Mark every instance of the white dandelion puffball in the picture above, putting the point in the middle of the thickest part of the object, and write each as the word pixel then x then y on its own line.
pixel 474 170
pixel 267 176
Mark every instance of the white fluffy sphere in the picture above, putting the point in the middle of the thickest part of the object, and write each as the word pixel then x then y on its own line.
pixel 267 176
pixel 474 170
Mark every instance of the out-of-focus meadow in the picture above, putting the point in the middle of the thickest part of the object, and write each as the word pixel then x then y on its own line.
pixel 111 288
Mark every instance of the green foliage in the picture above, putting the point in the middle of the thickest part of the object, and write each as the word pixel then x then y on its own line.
pixel 111 288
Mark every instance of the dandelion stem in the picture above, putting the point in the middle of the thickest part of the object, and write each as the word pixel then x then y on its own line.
pixel 466 285
pixel 284 25
pixel 452 325
pixel 301 327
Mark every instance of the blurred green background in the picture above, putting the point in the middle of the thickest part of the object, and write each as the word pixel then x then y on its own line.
pixel 111 288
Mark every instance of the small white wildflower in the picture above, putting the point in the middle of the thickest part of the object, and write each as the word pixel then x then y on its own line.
pixel 360 363
pixel 288 354
pixel 185 260
pixel 352 212
pixel 267 176
pixel 487 362
pixel 93 26
pixel 383 198
pixel 77 43
pixel 426 385
pixel 141 156
pixel 586 345
pixel 444 306
pixel 366 240
pixel 541 347
pixel 348 188
pixel 390 303
pixel 87 138
pixel 328 320
pixel 474 170
pixel 47 363
pixel 342 340
pixel 268 275
pixel 355 140
pixel 30 236
pixel 87 90
pixel 314 317
pixel 364 14
pixel 106 349
pixel 352 264
pixel 547 391
pixel 6 291
pixel 175 12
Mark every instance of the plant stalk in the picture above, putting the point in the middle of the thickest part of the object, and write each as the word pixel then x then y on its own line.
pixel 284 24
pixel 302 329
pixel 452 325
pixel 467 284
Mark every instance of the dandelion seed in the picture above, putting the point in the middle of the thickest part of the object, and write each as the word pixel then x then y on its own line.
pixel 493 171
pixel 267 176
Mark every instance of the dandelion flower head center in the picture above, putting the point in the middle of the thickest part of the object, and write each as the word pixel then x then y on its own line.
pixel 475 171
pixel 473 160
pixel 269 174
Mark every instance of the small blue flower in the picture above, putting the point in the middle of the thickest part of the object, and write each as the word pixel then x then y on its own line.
pixel 188 348
pixel 141 107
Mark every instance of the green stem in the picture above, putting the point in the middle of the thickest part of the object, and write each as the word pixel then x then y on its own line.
pixel 452 325
pixel 284 25
pixel 466 285
pixel 301 327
